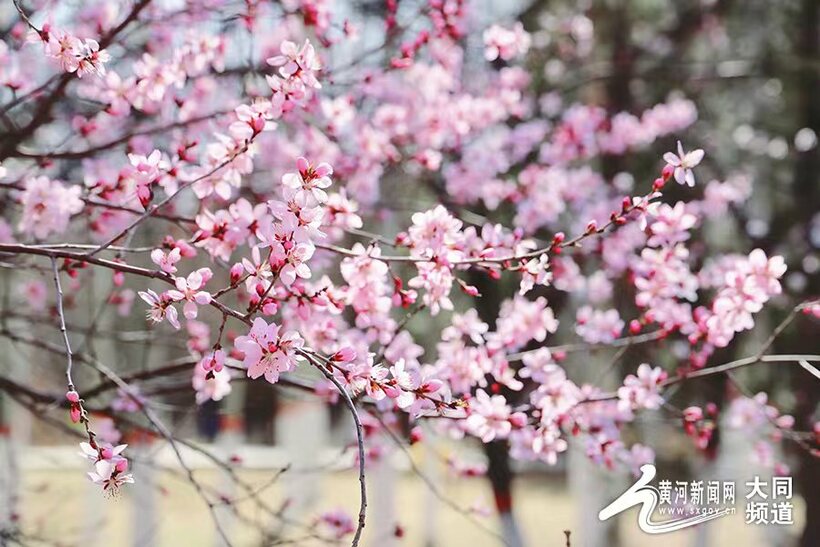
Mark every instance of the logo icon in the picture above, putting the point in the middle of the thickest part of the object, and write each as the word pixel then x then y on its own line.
pixel 648 497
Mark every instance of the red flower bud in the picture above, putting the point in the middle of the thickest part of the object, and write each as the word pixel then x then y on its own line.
pixel 121 466
pixel 469 289
pixel 236 273
pixel 416 435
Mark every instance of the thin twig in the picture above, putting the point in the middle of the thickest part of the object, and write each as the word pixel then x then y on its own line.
pixel 433 487
pixel 359 439
pixel 61 313
pixel 163 430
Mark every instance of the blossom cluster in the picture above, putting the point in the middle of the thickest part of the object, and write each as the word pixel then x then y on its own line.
pixel 47 206
pixel 72 53
pixel 110 467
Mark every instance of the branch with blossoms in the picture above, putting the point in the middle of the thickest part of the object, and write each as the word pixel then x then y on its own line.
pixel 254 213
pixel 110 467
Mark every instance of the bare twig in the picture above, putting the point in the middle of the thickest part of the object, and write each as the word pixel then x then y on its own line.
pixel 359 439
pixel 61 313
pixel 163 430
pixel 619 342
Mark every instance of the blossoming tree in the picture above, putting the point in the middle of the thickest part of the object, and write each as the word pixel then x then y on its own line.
pixel 235 172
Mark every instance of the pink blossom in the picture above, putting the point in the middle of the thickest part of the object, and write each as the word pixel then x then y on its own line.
pixel 48 206
pixel 341 212
pixel 505 44
pixel 252 120
pixel 344 355
pixel 64 48
pixel 267 351
pixel 338 523
pixel 146 172
pixel 102 452
pixel 402 385
pixel 110 475
pixel 130 400
pixel 35 293
pixel 547 444
pixel 166 261
pixel 643 390
pixel 308 181
pixel 490 417
pixel 535 272
pixel 369 378
pixel 160 307
pixel 436 280
pixel 598 326
pixel 638 456
pixel 213 361
pixel 188 289
pixel 290 249
pixel 521 320
pixel 91 59
pixel 106 430
pixel 300 64
pixel 433 231
pixel 748 285
pixel 671 226
pixel 210 384
pixel 750 412
pixel 683 163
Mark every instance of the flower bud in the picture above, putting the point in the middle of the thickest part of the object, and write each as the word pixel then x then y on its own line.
pixel 257 125
pixel 402 239
pixel 658 184
pixel 416 435
pixel 518 419
pixel 471 290
pixel 236 273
